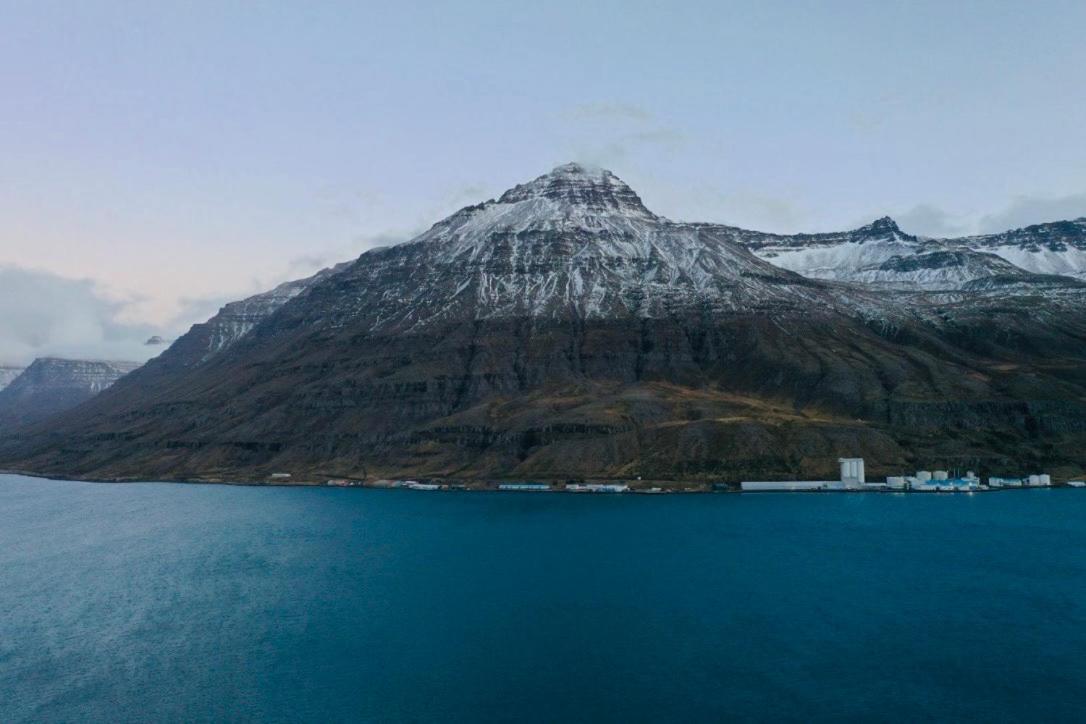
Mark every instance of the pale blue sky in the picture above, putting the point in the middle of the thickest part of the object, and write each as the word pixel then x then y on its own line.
pixel 179 154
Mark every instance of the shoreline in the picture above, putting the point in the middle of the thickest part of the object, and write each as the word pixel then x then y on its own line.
pixel 441 485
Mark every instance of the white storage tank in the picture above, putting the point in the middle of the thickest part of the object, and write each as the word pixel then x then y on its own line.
pixel 923 475
pixel 940 475
pixel 852 471
pixel 896 482
pixel 1046 479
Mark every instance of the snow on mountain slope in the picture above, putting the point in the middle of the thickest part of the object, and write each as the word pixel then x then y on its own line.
pixel 1058 247
pixel 50 385
pixel 7 374
pixel 935 270
pixel 836 256
pixel 236 319
pixel 576 241
pixel 579 240
pixel 231 323
pixel 882 255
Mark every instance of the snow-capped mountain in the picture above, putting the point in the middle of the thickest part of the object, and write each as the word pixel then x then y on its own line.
pixel 51 385
pixel 881 254
pixel 836 255
pixel 565 330
pixel 574 241
pixel 1058 247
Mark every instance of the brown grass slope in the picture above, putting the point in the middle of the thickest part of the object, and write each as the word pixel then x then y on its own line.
pixel 692 398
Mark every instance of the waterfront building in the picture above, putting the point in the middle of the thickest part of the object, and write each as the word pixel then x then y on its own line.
pixel 787 485
pixel 852 472
pixel 524 487
pixel 415 485
pixel 852 478
pixel 598 487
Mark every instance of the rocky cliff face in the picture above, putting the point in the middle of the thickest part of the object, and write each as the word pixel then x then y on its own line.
pixel 51 385
pixel 564 330
pixel 231 323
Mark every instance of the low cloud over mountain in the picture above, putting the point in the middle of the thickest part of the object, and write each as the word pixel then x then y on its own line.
pixel 45 314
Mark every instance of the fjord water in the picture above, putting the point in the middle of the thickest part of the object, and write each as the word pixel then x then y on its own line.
pixel 152 602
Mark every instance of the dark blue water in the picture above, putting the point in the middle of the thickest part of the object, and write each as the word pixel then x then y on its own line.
pixel 190 603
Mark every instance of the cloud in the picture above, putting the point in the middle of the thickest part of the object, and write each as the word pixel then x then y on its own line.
pixel 928 220
pixel 309 264
pixel 746 209
pixel 1027 210
pixel 619 148
pixel 609 111
pixel 609 134
pixel 43 314
pixel 193 310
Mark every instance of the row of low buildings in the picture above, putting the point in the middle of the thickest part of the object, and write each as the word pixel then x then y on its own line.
pixel 508 486
pixel 852 478
pixel 406 484
pixel 569 487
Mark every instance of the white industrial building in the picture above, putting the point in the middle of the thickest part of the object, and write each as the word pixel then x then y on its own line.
pixel 852 472
pixel 852 478
pixel 1041 480
pixel 789 485
pixel 598 487
pixel 935 481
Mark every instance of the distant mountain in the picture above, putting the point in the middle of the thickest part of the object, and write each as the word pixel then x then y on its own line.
pixel 51 385
pixel 1058 247
pixel 7 374
pixel 881 254
pixel 564 330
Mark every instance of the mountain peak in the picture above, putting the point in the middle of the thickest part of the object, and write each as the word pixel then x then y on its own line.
pixel 884 224
pixel 882 228
pixel 573 168
pixel 595 189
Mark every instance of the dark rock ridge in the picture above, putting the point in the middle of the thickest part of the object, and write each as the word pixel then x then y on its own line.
pixel 564 330
pixel 51 385
pixel 236 319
